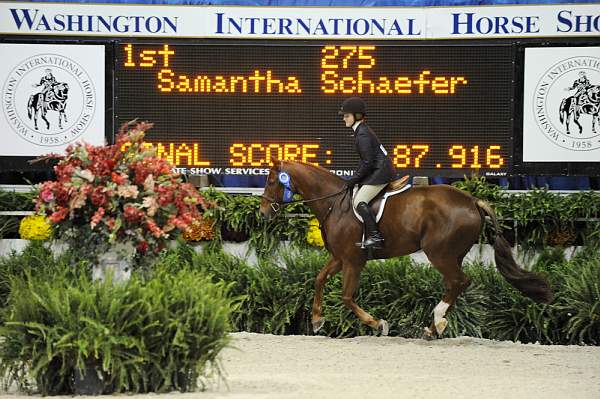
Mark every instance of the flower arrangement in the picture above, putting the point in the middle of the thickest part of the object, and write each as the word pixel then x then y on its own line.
pixel 313 234
pixel 118 194
pixel 35 227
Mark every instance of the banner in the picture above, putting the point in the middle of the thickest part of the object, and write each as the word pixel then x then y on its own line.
pixel 52 96
pixel 393 23
pixel 561 104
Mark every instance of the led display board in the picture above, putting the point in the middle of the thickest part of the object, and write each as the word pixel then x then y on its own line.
pixel 230 108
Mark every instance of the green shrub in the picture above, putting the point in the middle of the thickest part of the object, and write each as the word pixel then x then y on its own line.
pixel 579 302
pixel 36 259
pixel 156 334
pixel 278 295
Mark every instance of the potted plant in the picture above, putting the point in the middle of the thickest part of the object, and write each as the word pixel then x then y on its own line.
pixel 119 202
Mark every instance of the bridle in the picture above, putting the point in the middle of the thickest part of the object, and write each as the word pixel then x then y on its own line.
pixel 276 205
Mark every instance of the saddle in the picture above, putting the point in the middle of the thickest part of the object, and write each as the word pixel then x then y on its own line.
pixel 378 203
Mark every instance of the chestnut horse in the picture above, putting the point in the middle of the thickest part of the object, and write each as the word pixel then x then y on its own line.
pixel 441 220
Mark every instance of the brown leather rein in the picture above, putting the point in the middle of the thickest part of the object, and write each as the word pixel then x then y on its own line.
pixel 276 205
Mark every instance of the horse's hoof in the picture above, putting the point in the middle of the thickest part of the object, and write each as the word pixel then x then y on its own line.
pixel 383 328
pixel 317 325
pixel 441 325
pixel 428 334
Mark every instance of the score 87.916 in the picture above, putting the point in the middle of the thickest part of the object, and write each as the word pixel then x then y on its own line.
pixel 459 156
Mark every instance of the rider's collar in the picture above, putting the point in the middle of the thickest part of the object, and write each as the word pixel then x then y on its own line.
pixel 355 126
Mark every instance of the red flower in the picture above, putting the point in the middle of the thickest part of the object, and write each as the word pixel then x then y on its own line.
pixel 118 178
pixel 99 197
pixel 132 214
pixel 142 246
pixel 110 222
pixel 59 215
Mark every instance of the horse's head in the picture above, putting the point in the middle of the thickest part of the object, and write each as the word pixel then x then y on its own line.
pixel 61 90
pixel 272 197
pixel 594 94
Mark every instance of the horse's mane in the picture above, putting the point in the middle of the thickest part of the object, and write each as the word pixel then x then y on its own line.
pixel 317 170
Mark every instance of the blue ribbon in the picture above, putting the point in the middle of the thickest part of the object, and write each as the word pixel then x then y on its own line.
pixel 285 179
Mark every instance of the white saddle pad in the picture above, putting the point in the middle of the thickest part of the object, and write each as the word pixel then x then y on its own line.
pixel 383 201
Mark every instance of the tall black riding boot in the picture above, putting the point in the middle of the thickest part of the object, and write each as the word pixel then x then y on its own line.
pixel 373 239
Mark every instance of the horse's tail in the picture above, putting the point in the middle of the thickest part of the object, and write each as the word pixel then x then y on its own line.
pixel 530 284
pixel 563 109
pixel 30 106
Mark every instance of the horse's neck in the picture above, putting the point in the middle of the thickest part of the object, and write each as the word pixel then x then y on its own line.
pixel 315 184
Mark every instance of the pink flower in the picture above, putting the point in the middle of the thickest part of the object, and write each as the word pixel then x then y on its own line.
pixel 154 229
pixel 47 195
pixel 97 217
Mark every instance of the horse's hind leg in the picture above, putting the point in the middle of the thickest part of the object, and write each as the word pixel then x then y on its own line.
pixel 455 282
pixel 576 120
pixel 351 274
pixel 332 267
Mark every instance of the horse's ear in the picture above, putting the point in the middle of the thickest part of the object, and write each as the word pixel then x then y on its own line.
pixel 274 163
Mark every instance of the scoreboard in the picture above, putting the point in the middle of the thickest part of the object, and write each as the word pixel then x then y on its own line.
pixel 222 108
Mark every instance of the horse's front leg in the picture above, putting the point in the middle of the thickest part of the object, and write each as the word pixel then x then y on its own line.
pixel 332 267
pixel 43 114
pixel 350 283
pixel 576 120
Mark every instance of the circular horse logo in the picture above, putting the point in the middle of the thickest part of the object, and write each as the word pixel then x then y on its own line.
pixel 49 99
pixel 567 103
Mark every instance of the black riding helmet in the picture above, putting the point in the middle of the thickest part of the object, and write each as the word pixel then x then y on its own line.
pixel 353 105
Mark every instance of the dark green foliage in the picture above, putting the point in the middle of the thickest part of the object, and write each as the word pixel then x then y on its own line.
pixel 540 217
pixel 278 293
pixel 37 259
pixel 13 201
pixel 155 333
pixel 537 219
pixel 240 213
pixel 164 328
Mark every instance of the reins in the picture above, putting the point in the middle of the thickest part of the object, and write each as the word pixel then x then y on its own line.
pixel 276 206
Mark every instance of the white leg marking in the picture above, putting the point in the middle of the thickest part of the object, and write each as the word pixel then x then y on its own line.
pixel 438 316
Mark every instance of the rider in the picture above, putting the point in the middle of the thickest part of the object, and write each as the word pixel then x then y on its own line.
pixel 581 84
pixel 47 81
pixel 374 172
